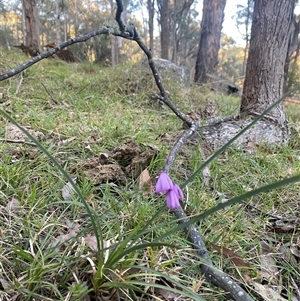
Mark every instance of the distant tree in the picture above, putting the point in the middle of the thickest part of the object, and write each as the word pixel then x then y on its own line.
pixel 163 7
pixel 150 7
pixel 230 60
pixel 243 18
pixel 292 55
pixel 58 13
pixel 182 21
pixel 209 45
pixel 32 39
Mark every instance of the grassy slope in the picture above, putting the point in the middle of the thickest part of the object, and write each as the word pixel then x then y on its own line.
pixel 86 102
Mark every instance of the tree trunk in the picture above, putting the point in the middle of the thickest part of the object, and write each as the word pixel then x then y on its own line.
pixel 57 22
pixel 271 27
pixel 163 6
pixel 272 21
pixel 31 25
pixel 293 52
pixel 150 7
pixel 247 22
pixel 209 45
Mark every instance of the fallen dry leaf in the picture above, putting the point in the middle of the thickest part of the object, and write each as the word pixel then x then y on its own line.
pixel 167 295
pixel 58 241
pixel 68 191
pixel 234 258
pixel 13 204
pixel 144 180
pixel 267 293
pixel 4 283
pixel 268 265
pixel 91 241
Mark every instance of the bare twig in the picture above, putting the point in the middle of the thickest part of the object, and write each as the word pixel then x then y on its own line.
pixel 212 274
pixel 19 84
pixel 164 96
pixel 178 145
pixel 55 101
pixel 52 51
pixel 296 288
pixel 18 141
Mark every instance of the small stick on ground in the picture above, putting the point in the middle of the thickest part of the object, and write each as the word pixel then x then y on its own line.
pixel 296 288
pixel 55 101
pixel 17 141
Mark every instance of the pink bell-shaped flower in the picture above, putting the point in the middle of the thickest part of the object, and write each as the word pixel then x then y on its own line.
pixel 172 199
pixel 163 184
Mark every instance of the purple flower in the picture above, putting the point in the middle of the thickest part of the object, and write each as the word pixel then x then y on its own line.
pixel 172 191
pixel 173 199
pixel 163 184
pixel 178 192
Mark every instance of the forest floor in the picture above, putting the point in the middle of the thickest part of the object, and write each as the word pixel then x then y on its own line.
pixel 104 129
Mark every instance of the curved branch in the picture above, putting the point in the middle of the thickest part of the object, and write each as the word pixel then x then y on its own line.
pixel 52 51
pixel 212 274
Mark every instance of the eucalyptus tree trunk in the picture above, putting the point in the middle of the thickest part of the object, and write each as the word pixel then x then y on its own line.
pixel 263 86
pixel 32 39
pixel 270 35
pixel 209 45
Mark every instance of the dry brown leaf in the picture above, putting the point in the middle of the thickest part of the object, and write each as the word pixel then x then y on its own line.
pixel 267 293
pixel 295 251
pixel 68 191
pixel 4 283
pixel 167 295
pixel 144 180
pixel 269 269
pixel 13 204
pixel 58 241
pixel 91 241
pixel 234 258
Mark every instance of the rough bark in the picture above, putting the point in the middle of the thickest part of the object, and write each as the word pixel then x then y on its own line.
pixel 163 6
pixel 271 27
pixel 32 39
pixel 209 45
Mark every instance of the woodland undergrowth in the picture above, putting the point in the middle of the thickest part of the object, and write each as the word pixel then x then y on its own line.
pixel 86 117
